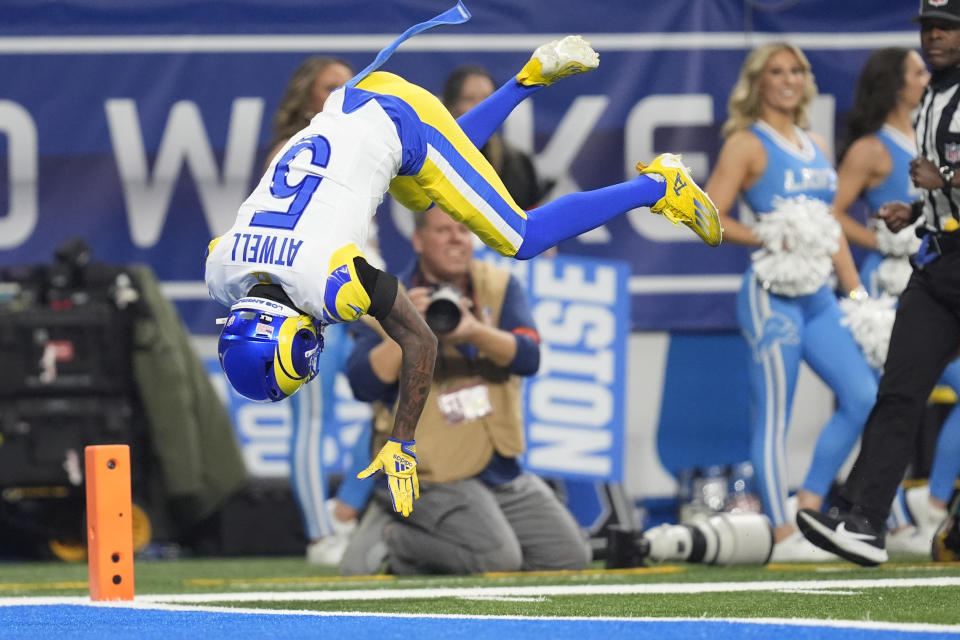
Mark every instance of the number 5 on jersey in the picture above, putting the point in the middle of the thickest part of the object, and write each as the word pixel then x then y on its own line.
pixel 302 191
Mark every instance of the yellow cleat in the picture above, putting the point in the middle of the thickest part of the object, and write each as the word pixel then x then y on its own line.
pixel 558 59
pixel 684 201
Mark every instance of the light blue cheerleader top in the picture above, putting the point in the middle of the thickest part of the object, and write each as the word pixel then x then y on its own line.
pixel 897 186
pixel 791 171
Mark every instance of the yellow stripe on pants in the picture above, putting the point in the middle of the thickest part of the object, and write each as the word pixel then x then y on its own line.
pixel 437 182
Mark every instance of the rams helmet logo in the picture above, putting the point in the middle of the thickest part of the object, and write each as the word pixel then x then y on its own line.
pixel 268 350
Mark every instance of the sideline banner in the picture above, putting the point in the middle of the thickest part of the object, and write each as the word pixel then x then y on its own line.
pixel 143 127
pixel 575 406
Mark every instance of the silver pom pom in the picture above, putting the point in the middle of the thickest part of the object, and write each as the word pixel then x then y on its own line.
pixel 870 321
pixel 901 244
pixel 893 275
pixel 799 239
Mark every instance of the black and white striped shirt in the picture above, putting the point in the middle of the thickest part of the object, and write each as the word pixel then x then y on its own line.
pixel 938 139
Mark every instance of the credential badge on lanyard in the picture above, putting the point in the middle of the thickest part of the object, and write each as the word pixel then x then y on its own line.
pixel 465 404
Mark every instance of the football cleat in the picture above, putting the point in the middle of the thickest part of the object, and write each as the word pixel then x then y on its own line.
pixel 558 59
pixel 683 200
pixel 268 350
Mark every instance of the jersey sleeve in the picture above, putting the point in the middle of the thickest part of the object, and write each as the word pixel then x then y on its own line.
pixel 344 299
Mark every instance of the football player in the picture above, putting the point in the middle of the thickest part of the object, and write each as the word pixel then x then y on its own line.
pixel 293 261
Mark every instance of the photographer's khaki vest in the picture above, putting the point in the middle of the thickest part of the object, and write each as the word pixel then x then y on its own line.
pixel 446 452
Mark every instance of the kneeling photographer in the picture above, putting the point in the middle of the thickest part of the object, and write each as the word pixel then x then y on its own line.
pixel 478 510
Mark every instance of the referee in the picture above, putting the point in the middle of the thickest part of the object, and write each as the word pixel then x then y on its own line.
pixel 926 333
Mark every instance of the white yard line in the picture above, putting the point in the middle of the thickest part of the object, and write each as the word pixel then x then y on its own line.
pixel 558 590
pixel 808 586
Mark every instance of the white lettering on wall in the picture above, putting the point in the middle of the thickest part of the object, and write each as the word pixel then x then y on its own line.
pixel 572 324
pixel 574 401
pixel 565 448
pixel 21 133
pixel 184 141
pixel 597 365
pixel 566 142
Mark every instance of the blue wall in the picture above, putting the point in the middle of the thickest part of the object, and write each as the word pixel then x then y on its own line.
pixel 142 125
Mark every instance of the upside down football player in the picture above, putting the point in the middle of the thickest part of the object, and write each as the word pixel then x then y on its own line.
pixel 293 261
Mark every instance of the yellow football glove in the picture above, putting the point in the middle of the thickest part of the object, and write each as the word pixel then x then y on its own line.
pixel 398 459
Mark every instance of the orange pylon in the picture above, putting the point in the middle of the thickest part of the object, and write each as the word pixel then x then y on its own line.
pixel 109 522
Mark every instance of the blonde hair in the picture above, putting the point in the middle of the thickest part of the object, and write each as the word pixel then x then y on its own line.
pixel 295 110
pixel 743 108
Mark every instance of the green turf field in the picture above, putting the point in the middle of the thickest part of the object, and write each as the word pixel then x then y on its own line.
pixel 900 591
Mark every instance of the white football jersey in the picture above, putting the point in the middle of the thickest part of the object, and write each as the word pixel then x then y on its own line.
pixel 317 197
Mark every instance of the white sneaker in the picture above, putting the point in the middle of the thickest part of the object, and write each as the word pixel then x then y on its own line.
pixel 910 540
pixel 926 516
pixel 558 59
pixel 917 499
pixel 918 538
pixel 341 529
pixel 329 550
pixel 796 548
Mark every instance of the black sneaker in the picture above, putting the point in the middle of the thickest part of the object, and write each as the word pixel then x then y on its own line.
pixel 848 535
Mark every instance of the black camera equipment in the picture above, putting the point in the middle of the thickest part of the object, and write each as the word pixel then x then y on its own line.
pixel 626 547
pixel 66 332
pixel 443 310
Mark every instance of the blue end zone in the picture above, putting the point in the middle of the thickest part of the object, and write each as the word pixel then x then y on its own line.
pixel 95 622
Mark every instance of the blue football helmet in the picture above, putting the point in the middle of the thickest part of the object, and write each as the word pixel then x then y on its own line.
pixel 268 350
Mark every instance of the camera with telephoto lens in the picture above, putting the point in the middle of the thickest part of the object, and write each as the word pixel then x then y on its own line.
pixel 723 539
pixel 443 310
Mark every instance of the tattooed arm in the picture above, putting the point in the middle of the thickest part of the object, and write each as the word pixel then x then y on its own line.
pixel 401 321
pixel 408 357
pixel 418 345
